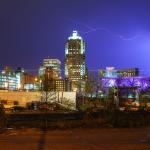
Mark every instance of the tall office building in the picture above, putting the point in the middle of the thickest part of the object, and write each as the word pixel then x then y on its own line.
pixel 75 69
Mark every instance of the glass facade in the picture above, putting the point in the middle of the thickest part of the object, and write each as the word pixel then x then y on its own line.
pixel 9 81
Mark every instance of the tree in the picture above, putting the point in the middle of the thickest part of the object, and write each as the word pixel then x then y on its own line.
pixel 49 96
pixel 67 103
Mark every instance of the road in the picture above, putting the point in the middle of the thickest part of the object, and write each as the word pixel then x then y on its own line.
pixel 76 139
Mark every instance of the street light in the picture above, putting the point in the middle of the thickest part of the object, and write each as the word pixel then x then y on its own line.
pixel 40 85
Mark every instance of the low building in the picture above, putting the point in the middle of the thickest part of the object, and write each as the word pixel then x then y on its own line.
pixel 62 85
pixel 8 79
pixel 108 72
pixel 51 83
pixel 129 72
pixel 8 82
pixel 17 80
pixel 22 98
pixel 30 82
pixel 112 72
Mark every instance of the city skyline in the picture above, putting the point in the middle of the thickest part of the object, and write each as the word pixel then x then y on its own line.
pixel 33 31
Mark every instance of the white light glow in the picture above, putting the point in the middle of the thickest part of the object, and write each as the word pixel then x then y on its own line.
pixel 75 36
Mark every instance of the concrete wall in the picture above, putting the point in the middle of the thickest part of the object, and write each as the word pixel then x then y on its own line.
pixel 25 97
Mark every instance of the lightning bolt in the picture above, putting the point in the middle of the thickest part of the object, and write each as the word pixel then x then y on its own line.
pixel 91 29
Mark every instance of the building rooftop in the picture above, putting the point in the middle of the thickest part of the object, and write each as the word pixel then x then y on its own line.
pixel 75 35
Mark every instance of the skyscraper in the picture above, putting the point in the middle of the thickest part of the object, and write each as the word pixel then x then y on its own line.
pixel 75 69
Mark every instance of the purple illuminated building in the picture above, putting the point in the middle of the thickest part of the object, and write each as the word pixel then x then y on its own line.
pixel 125 78
pixel 142 83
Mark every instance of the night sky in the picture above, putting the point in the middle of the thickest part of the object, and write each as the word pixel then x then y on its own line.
pixel 116 32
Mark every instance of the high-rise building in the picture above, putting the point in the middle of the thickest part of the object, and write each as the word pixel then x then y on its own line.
pixel 75 68
pixel 54 64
